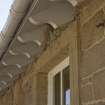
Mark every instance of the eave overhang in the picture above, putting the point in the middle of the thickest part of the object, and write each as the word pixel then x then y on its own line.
pixel 26 33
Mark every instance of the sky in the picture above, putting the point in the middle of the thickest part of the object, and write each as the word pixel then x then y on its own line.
pixel 4 10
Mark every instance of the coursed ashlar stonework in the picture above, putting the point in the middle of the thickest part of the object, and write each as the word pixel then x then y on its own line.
pixel 31 88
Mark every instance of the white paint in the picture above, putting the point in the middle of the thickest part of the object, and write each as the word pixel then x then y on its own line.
pixel 38 42
pixel 20 39
pixel 18 65
pixel 32 21
pixel 4 83
pixel 11 52
pixel 73 2
pixel 4 63
pixel 27 55
pixel 10 75
pixel 54 25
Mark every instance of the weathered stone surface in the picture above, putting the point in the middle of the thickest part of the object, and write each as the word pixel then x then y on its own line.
pixel 93 59
pixel 99 85
pixel 24 93
pixel 42 89
pixel 90 32
pixel 7 99
pixel 85 81
pixel 88 8
pixel 28 91
pixel 99 103
pixel 86 94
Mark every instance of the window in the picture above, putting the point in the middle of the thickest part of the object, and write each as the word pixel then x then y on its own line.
pixel 59 84
pixel 65 94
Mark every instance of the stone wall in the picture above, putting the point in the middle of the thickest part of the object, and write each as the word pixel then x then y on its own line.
pixel 92 73
pixel 31 88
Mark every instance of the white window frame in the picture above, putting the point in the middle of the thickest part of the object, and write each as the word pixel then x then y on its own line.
pixel 59 68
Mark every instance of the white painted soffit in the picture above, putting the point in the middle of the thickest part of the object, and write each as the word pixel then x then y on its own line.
pixel 31 39
pixel 17 12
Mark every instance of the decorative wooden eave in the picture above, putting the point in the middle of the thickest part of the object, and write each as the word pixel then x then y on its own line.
pixel 26 33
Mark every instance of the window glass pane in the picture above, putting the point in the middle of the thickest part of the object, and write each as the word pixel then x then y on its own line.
pixel 66 86
pixel 57 89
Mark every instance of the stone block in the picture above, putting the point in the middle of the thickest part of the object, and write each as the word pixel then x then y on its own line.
pixel 91 32
pixel 99 85
pixel 86 94
pixel 42 89
pixel 93 59
pixel 89 7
